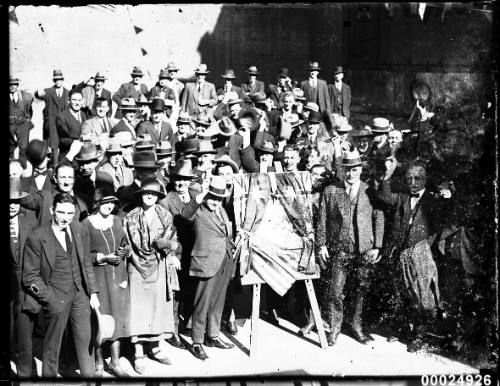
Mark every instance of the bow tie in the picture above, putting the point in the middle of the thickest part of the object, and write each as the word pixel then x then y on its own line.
pixel 415 195
pixel 37 173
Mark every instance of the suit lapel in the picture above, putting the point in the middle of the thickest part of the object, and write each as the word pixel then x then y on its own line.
pixel 78 243
pixel 49 245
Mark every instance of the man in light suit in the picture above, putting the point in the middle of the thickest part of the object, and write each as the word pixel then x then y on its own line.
pixel 156 127
pixel 20 113
pixel 211 264
pixel 316 90
pixel 349 234
pixel 100 123
pixel 199 97
pixel 252 85
pixel 58 273
pixel 340 94
pixel 121 174
pixel 133 89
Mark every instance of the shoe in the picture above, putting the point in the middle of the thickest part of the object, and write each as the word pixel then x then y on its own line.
pixel 139 365
pixel 198 352
pixel 229 327
pixel 358 335
pixel 332 336
pixel 175 341
pixel 369 336
pixel 392 338
pixel 160 357
pixel 217 342
pixel 118 371
pixel 306 329
pixel 415 345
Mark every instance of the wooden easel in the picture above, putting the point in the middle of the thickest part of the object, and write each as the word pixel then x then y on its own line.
pixel 252 279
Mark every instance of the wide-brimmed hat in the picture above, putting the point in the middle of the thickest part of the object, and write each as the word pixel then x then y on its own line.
pixel 364 131
pixel 99 77
pixel 205 147
pixel 311 106
pixel 314 117
pixel 15 192
pixel 351 159
pixel 344 128
pixel 128 104
pixel 314 66
pixel 87 153
pixel 151 186
pixel 36 151
pixel 227 127
pixel 136 71
pixel 104 195
pixel 338 70
pixel 106 327
pixel 233 101
pixel 218 187
pixel 143 101
pixel 57 74
pixel 171 66
pixel 380 125
pixel 183 117
pixel 157 104
pixel 145 159
pixel 13 80
pixel 114 146
pixel 283 73
pixel 164 148
pixel 124 138
pixel 183 168
pixel 202 69
pixel 145 143
pixel 163 73
pixel 226 160
pixel 188 146
pixel 266 147
pixel 252 70
pixel 228 74
pixel 202 120
pixel 299 94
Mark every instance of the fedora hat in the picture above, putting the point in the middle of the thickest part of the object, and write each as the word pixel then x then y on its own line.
pixel 114 146
pixel 88 152
pixel 164 148
pixel 283 73
pixel 314 66
pixel 145 159
pixel 338 70
pixel 152 186
pixel 201 69
pixel 188 146
pixel 99 77
pixel 36 151
pixel 13 80
pixel 202 120
pixel 15 192
pixel 311 106
pixel 205 147
pixel 364 131
pixel 136 71
pixel 344 128
pixel 124 138
pixel 218 187
pixel 106 327
pixel 380 125
pixel 226 160
pixel 158 104
pixel 183 168
pixel 233 101
pixel 227 127
pixel 143 101
pixel 252 70
pixel 57 74
pixel 351 159
pixel 128 104
pixel 228 74
pixel 299 94
pixel 253 115
pixel 163 73
pixel 171 66
pixel 145 143
pixel 184 117
pixel 314 117
pixel 266 147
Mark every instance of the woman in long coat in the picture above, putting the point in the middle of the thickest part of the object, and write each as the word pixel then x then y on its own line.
pixel 152 273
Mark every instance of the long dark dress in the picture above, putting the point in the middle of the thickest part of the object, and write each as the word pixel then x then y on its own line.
pixel 111 280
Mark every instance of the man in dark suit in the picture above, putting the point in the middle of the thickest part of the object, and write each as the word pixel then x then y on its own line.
pixel 211 262
pixel 38 154
pixel 252 85
pixel 340 94
pixel 199 97
pixel 69 123
pixel 156 127
pixel 56 100
pixel 284 84
pixel 21 322
pixel 58 273
pixel 316 90
pixel 161 89
pixel 133 89
pixel 20 113
pixel 129 119
pixel 349 234
pixel 92 90
pixel 228 86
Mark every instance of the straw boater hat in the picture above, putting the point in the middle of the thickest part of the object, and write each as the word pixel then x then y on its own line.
pixel 15 192
pixel 171 66
pixel 164 149
pixel 152 186
pixel 114 146
pixel 299 94
pixel 125 138
pixel 202 120
pixel 226 160
pixel 57 74
pixel 205 147
pixel 184 117
pixel 314 66
pixel 145 159
pixel 87 153
pixel 233 101
pixel 365 131
pixel 217 187
pixel 128 104
pixel 344 128
pixel 228 74
pixel 311 106
pixel 106 327
pixel 380 125
pixel 202 69
pixel 351 159
pixel 183 169
pixel 252 70
pixel 136 71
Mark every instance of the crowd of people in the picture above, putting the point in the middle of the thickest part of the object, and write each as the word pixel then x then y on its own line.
pixel 129 213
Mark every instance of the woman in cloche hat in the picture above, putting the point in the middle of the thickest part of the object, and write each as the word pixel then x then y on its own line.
pixel 153 240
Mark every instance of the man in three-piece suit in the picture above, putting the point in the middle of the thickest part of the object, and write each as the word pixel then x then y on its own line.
pixel 58 273
pixel 252 85
pixel 210 264
pixel 316 90
pixel 20 113
pixel 92 90
pixel 133 89
pixel 69 124
pixel 56 100
pixel 349 234
pixel 340 94
pixel 156 127
pixel 199 97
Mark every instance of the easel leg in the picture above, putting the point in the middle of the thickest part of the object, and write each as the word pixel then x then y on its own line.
pixel 254 326
pixel 316 313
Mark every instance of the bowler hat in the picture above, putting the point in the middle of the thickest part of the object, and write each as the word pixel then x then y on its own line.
pixel 338 70
pixel 226 160
pixel 136 71
pixel 106 327
pixel 252 70
pixel 13 80
pixel 36 151
pixel 124 138
pixel 228 74
pixel 114 146
pixel 365 131
pixel 217 187
pixel 314 117
pixel 202 120
pixel 163 73
pixel 314 66
pixel 15 192
pixel 205 147
pixel 128 104
pixel 184 117
pixel 227 127
pixel 171 66
pixel 145 159
pixel 152 186
pixel 99 77
pixel 201 69
pixel 188 146
pixel 57 74
pixel 164 148
pixel 157 104
pixel 283 73
pixel 311 106
pixel 266 147
pixel 183 168
pixel 380 125
pixel 87 153
pixel 351 159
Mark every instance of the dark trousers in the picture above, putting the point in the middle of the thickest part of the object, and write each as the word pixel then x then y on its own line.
pixel 74 307
pixel 209 302
pixel 24 323
pixel 21 133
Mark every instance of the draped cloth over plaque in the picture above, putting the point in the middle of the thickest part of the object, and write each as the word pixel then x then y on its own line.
pixel 274 212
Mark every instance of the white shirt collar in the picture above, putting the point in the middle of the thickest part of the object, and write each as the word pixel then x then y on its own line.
pixel 354 186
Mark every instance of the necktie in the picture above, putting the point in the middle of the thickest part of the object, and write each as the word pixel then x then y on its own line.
pixel 351 193
pixel 68 242
pixel 14 98
pixel 118 176
pixel 13 232
pixel 37 173
pixel 199 88
pixel 219 216
pixel 104 126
